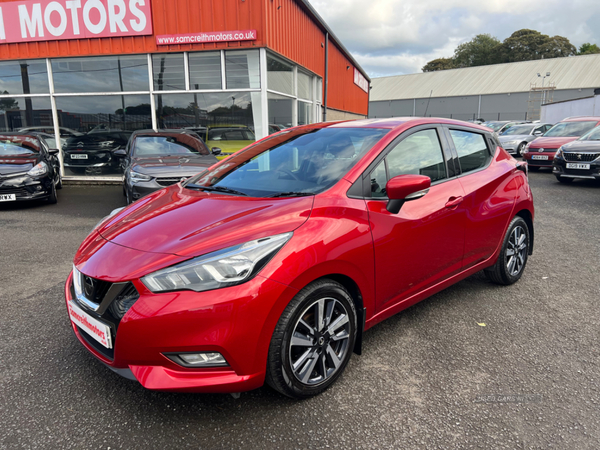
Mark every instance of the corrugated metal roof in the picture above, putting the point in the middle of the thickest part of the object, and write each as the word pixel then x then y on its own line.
pixel 575 72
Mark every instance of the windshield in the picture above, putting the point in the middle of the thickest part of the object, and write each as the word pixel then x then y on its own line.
pixel 593 135
pixel 305 163
pixel 18 145
pixel 230 134
pixel 495 125
pixel 518 130
pixel 179 145
pixel 570 129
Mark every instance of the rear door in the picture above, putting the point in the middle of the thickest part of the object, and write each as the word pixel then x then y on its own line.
pixel 424 242
pixel 489 191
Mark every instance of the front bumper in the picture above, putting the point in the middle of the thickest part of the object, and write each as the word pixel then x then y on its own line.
pixel 531 161
pixel 237 322
pixel 559 168
pixel 26 188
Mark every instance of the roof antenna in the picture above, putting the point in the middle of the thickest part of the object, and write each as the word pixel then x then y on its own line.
pixel 427 107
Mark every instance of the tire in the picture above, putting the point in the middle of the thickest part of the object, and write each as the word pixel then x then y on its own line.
pixel 513 256
pixel 127 197
pixel 520 149
pixel 52 198
pixel 533 168
pixel 313 360
pixel 564 180
pixel 59 184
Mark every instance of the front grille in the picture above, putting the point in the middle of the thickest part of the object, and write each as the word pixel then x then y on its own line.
pixel 168 181
pixel 20 192
pixel 576 157
pixel 114 312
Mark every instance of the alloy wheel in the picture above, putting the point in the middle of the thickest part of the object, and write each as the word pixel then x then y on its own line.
pixel 516 253
pixel 320 341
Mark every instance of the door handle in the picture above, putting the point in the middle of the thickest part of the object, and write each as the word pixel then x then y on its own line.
pixel 453 202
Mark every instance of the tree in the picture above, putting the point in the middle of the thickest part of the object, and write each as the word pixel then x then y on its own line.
pixel 527 45
pixel 438 64
pixel 7 104
pixel 588 49
pixel 482 50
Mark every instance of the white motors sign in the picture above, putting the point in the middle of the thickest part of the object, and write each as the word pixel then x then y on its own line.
pixel 46 20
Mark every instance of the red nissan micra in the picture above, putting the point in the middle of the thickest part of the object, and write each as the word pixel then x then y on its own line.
pixel 271 264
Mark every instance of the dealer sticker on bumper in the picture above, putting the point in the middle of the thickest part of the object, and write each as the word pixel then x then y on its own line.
pixel 96 329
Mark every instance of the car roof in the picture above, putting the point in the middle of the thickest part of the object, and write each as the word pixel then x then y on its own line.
pixel 397 122
pixel 158 132
pixel 31 134
pixel 581 119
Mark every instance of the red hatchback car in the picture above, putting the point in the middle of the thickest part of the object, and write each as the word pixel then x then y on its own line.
pixel 540 152
pixel 271 264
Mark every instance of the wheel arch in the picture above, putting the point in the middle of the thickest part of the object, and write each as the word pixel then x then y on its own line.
pixel 528 218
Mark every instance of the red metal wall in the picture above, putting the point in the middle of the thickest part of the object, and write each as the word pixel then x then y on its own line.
pixel 282 25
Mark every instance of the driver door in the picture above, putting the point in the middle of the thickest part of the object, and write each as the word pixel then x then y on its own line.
pixel 424 242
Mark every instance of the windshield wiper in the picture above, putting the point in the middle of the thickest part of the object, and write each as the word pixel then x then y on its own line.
pixel 291 194
pixel 222 189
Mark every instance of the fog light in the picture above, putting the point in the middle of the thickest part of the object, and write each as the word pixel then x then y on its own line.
pixel 201 359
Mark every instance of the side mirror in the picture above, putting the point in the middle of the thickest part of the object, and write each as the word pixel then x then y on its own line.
pixel 121 153
pixel 405 188
pixel 538 133
pixel 53 151
pixel 216 151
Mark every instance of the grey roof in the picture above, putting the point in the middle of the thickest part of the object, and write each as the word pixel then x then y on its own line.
pixel 575 72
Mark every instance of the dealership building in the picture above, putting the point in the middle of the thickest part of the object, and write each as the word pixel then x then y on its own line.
pixel 86 66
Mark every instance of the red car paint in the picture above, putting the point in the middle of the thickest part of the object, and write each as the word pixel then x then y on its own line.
pixel 392 260
pixel 551 144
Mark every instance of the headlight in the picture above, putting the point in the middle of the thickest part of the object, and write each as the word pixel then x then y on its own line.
pixel 228 267
pixel 559 153
pixel 40 169
pixel 112 213
pixel 136 176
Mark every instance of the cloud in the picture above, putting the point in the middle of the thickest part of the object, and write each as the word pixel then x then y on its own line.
pixel 390 37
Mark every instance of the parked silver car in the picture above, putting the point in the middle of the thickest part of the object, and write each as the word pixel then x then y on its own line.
pixel 515 138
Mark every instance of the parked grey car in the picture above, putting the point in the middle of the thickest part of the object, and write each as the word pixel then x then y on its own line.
pixel 157 159
pixel 515 138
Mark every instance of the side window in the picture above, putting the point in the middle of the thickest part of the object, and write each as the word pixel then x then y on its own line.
pixel 472 150
pixel 418 154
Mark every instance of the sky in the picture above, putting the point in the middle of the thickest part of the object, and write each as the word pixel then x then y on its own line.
pixel 394 37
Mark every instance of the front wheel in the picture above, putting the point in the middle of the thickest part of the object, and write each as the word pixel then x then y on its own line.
pixel 520 149
pixel 313 340
pixel 513 256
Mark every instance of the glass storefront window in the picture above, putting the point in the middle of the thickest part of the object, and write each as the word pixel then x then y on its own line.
pixel 280 76
pixel 24 77
pixel 304 86
pixel 203 110
pixel 205 70
pixel 319 90
pixel 105 124
pixel 304 113
pixel 101 74
pixel 242 69
pixel 32 113
pixel 169 72
pixel 280 110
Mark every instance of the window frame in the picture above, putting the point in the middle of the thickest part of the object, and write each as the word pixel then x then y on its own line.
pixel 362 187
pixel 486 138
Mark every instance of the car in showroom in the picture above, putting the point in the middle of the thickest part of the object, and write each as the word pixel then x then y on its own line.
pixel 29 169
pixel 515 138
pixel 93 153
pixel 540 152
pixel 578 159
pixel 270 265
pixel 155 159
pixel 225 140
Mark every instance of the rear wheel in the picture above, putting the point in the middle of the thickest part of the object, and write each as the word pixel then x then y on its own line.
pixel 313 340
pixel 513 256
pixel 564 179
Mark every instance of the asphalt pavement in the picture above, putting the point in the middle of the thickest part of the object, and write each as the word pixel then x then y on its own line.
pixel 431 377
